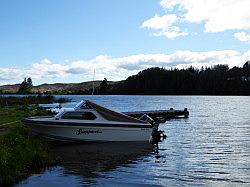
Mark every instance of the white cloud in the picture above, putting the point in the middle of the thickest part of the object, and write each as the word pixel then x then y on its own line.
pixel 121 68
pixel 158 22
pixel 169 4
pixel 7 74
pixel 171 33
pixel 216 15
pixel 164 26
pixel 242 36
pixel 45 68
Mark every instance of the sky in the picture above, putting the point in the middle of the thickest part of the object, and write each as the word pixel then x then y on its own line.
pixel 66 41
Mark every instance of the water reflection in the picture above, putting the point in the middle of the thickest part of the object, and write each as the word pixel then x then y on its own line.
pixel 89 159
pixel 84 162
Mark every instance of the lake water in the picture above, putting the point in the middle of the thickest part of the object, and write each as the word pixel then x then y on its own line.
pixel 210 148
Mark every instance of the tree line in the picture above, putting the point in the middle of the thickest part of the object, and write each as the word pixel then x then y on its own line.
pixel 216 80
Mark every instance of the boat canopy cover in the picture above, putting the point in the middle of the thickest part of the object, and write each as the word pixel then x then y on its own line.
pixel 109 114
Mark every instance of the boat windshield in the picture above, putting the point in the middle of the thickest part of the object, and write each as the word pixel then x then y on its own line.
pixel 79 115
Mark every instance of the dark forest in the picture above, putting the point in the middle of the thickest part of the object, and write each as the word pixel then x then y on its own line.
pixel 216 80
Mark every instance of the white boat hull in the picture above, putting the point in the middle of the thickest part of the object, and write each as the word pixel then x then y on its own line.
pixel 90 133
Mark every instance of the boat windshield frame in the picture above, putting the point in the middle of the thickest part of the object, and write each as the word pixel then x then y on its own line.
pixel 82 105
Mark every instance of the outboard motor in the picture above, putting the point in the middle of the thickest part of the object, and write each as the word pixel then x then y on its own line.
pixel 156 134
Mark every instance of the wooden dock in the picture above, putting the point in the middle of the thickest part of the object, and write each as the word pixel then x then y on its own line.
pixel 161 115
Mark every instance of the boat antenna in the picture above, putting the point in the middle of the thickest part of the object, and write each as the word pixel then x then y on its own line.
pixel 93 86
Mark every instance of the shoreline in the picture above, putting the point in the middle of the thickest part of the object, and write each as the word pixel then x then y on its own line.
pixel 20 152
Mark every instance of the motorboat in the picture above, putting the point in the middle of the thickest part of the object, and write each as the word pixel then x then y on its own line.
pixel 89 121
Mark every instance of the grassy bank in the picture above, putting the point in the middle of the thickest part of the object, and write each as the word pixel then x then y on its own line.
pixel 20 153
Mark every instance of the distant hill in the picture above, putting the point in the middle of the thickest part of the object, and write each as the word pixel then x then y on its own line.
pixel 10 88
pixel 65 87
pixel 56 87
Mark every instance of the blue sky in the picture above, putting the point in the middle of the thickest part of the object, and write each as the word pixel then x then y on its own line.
pixel 63 41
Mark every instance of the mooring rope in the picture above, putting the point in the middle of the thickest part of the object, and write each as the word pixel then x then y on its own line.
pixel 9 123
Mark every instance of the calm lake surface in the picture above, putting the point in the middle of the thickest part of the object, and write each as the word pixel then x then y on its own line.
pixel 210 148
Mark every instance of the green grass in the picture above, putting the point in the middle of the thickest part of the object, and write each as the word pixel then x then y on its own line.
pixel 20 152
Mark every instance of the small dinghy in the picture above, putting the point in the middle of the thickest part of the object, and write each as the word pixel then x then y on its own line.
pixel 89 121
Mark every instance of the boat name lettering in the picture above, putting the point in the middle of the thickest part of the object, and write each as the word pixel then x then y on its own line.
pixel 81 131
